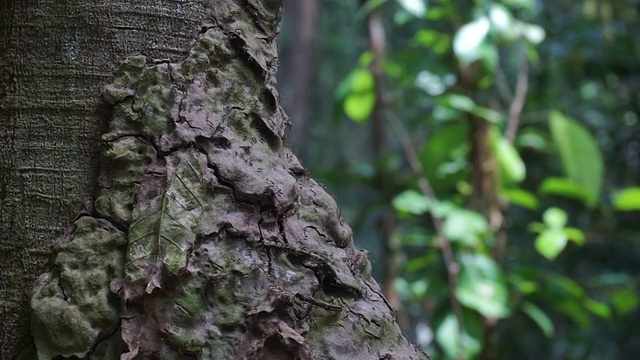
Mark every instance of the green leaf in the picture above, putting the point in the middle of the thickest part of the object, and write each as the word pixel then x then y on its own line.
pixel 465 103
pixel 598 308
pixel 415 7
pixel 521 198
pixel 361 98
pixel 550 243
pixel 575 310
pixel 555 218
pixel 536 227
pixel 441 209
pixel 448 336
pixel 436 41
pixel 512 167
pixel 490 115
pixel 465 226
pixel 539 317
pixel 411 202
pixel 162 225
pixel 564 187
pixel 534 139
pixel 482 286
pixel 567 296
pixel 448 145
pixel 524 285
pixel 580 155
pixel 535 34
pixel 575 235
pixel 566 287
pixel 527 4
pixel 624 301
pixel 627 200
pixel 500 18
pixel 458 102
pixel 468 40
pixel 419 288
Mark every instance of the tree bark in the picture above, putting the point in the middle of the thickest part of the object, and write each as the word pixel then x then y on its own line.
pixel 192 231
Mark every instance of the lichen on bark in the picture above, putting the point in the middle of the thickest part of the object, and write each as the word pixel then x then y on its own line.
pixel 232 251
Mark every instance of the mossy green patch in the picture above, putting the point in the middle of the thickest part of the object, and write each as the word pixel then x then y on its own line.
pixel 72 305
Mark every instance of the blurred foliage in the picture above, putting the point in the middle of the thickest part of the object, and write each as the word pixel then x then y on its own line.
pixel 557 276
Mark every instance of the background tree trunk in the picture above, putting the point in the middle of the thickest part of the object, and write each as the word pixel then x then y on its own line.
pixel 197 234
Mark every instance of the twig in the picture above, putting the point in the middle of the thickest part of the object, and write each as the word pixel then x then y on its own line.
pixel 515 109
pixel 451 264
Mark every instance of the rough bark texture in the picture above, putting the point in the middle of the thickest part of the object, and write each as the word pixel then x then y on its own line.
pixel 204 237
pixel 55 58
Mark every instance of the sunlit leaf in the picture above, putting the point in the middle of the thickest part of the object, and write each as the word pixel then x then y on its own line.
pixel 580 154
pixel 361 98
pixel 500 17
pixel 469 38
pixel 536 227
pixel 448 336
pixel 415 7
pixel 411 202
pixel 490 115
pixel 459 102
pixel 466 104
pixel 359 106
pixel 575 235
pixel 555 218
pixel 563 187
pixel 627 199
pixel 512 167
pixel 598 308
pixel 465 226
pixel 436 41
pixel 482 286
pixel 533 33
pixel 539 317
pixel 521 198
pixel 550 243
pixel 443 208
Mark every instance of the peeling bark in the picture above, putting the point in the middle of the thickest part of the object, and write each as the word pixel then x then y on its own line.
pixel 206 238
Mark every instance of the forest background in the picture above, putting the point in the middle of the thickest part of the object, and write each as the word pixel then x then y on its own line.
pixel 487 155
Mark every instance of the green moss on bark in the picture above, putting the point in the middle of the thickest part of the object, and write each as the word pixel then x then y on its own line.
pixel 73 305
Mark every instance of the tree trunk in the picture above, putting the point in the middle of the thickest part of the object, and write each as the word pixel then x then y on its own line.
pixel 191 230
